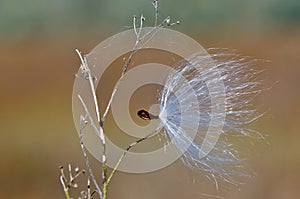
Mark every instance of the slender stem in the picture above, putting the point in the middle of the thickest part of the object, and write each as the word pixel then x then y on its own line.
pixel 66 189
pixel 87 163
pixel 67 194
pixel 89 189
pixel 100 134
pixel 87 72
pixel 155 4
pixel 134 25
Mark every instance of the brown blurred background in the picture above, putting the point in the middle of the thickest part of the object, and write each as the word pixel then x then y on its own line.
pixel 38 63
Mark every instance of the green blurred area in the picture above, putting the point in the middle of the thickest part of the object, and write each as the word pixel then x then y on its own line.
pixel 38 63
pixel 35 17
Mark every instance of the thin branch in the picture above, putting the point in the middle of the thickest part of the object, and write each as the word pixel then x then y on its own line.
pixel 100 134
pixel 87 163
pixel 66 189
pixel 142 19
pixel 89 188
pixel 70 172
pixel 126 64
pixel 134 25
pixel 86 70
pixel 155 4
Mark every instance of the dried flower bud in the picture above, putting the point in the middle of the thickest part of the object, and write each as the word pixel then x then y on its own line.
pixel 77 170
pixel 168 20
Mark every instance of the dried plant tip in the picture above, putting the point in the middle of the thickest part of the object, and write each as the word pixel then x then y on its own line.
pixel 168 20
pixel 76 170
pixel 62 181
pixel 155 4
pixel 134 25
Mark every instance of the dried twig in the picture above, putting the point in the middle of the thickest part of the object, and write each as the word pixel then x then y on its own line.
pixel 155 4
pixel 87 72
pixel 98 132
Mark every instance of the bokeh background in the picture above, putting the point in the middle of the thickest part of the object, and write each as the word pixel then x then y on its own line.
pixel 38 63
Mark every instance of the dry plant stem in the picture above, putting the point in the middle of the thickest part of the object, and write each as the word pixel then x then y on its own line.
pixel 83 147
pixel 91 172
pixel 126 64
pixel 89 167
pixel 66 189
pixel 62 175
pixel 87 71
pixel 155 4
pixel 89 189
pixel 134 24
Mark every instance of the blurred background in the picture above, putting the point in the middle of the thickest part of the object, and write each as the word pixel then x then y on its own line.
pixel 38 63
